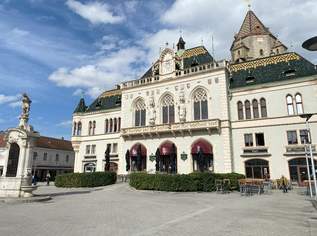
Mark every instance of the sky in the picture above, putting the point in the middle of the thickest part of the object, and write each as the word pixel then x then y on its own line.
pixel 59 50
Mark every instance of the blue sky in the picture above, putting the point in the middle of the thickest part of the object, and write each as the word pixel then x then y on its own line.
pixel 56 50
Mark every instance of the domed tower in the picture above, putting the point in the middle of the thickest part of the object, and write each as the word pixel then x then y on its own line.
pixel 254 40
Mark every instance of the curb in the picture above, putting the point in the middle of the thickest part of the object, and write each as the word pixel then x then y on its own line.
pixel 25 200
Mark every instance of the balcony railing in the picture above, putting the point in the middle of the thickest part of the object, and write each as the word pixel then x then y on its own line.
pixel 175 128
pixel 257 151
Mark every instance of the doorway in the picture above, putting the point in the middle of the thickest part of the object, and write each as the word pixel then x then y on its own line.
pixel 13 160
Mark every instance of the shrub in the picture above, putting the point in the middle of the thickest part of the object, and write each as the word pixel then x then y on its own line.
pixel 76 180
pixel 194 182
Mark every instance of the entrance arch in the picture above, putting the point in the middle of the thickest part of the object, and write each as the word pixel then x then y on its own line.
pixel 298 170
pixel 202 154
pixel 257 169
pixel 168 157
pixel 13 160
pixel 138 157
pixel 89 167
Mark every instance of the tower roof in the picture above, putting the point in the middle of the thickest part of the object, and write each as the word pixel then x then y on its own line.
pixel 81 107
pixel 251 26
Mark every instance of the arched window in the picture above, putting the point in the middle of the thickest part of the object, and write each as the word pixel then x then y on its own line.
pixel 74 129
pixel 115 128
pixel 247 107
pixel 111 125
pixel 299 103
pixel 168 112
pixel 93 127
pixel 119 124
pixel 106 126
pixel 90 128
pixel 200 104
pixel 139 113
pixel 79 128
pixel 240 111
pixel 255 107
pixel 290 105
pixel 263 107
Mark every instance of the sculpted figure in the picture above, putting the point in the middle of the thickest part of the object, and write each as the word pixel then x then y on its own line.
pixel 182 107
pixel 152 112
pixel 26 105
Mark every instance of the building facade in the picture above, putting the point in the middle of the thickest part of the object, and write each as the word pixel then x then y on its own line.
pixel 52 155
pixel 189 112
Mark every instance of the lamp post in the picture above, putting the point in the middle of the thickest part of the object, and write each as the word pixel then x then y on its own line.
pixel 307 117
pixel 307 164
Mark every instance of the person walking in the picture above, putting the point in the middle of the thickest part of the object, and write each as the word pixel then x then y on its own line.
pixel 284 184
pixel 48 176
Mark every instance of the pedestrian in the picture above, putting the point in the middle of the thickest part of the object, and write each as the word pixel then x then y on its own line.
pixel 48 176
pixel 284 184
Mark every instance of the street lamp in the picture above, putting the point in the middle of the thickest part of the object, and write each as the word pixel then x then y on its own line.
pixel 307 117
pixel 310 44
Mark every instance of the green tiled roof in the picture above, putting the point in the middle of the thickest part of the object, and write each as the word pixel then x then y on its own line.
pixel 81 107
pixel 270 69
pixel 106 101
pixel 192 56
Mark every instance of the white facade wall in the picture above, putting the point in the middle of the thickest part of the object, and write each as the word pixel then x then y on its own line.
pixel 215 83
pixel 277 123
pixel 100 139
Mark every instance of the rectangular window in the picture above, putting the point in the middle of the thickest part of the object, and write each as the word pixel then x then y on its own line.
pixel 87 149
pixel 259 139
pixel 292 137
pixel 248 140
pixel 137 118
pixel 142 117
pixel 204 110
pixel 93 149
pixel 303 136
pixel 67 158
pixel 45 156
pixel 57 157
pixel 196 110
pixel 34 156
pixel 165 114
pixel 109 146
pixel 114 148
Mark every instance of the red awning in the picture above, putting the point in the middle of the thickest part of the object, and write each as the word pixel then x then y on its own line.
pixel 134 150
pixel 166 148
pixel 203 145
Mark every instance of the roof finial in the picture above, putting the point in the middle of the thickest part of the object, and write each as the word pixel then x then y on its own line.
pixel 180 33
pixel 82 94
pixel 249 4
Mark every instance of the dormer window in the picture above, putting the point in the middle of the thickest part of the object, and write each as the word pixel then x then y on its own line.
pixel 290 72
pixel 250 79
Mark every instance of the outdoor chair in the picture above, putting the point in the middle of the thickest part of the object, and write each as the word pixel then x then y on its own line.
pixel 219 185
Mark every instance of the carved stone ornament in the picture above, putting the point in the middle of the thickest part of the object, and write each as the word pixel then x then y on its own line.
pixel 152 112
pixel 182 107
pixel 24 117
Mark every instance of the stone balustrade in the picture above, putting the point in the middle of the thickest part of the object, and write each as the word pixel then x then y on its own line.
pixel 175 128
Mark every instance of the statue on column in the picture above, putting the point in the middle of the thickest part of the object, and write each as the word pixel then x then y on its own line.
pixel 152 112
pixel 24 117
pixel 182 107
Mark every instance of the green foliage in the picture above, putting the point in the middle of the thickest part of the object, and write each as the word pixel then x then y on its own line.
pixel 77 180
pixel 194 182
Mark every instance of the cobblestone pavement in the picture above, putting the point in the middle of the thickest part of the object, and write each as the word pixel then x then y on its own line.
pixel 121 210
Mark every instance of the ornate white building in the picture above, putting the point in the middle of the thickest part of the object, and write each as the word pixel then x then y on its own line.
pixel 189 112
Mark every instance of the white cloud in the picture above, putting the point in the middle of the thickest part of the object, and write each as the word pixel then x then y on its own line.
pixel 5 99
pixel 65 123
pixel 15 104
pixel 108 70
pixel 95 12
pixel 121 60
